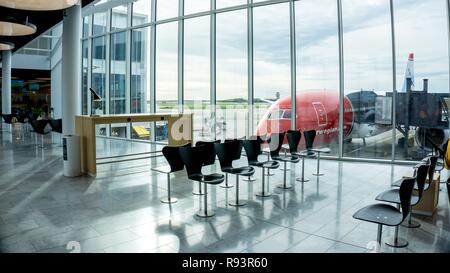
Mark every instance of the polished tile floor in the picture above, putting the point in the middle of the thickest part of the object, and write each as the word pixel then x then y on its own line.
pixel 119 210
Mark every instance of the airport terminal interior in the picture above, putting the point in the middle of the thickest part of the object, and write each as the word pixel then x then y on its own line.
pixel 225 126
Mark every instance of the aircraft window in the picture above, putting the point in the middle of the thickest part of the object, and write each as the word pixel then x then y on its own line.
pixel 280 114
pixel 287 114
pixel 276 114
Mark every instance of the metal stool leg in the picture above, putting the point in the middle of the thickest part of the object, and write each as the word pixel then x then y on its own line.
pixel 263 192
pixel 318 166
pixel 268 170
pixel 285 167
pixel 302 179
pixel 205 213
pixel 284 186
pixel 199 192
pixel 226 185
pixel 379 234
pixel 249 179
pixel 168 199
pixel 411 223
pixel 237 202
pixel 396 241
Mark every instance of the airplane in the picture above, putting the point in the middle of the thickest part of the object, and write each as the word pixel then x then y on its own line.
pixel 319 110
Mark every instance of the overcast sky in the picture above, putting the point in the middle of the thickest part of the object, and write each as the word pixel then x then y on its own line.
pixel 421 28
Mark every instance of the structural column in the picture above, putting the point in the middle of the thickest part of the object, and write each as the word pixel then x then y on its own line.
pixel 71 67
pixel 6 82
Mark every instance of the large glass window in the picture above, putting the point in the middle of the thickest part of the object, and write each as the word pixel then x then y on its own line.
pixel 231 67
pixel 140 66
pixel 118 74
pixel 197 74
pixel 422 60
pixel 84 76
pixel 85 26
pixel 99 72
pixel 167 67
pixel 194 6
pixel 422 71
pixel 141 12
pixel 368 78
pixel 229 3
pixel 166 9
pixel 100 23
pixel 119 16
pixel 318 71
pixel 271 44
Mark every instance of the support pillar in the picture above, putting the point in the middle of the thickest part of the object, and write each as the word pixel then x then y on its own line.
pixel 6 82
pixel 71 67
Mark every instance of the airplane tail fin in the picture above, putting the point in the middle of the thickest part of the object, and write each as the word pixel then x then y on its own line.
pixel 409 73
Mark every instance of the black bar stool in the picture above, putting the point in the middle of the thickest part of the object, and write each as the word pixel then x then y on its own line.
pixel 194 158
pixel 227 152
pixel 253 150
pixel 309 140
pixel 384 214
pixel 210 160
pixel 172 155
pixel 276 142
pixel 56 125
pixel 294 137
pixel 392 196
pixel 22 119
pixel 39 129
pixel 7 118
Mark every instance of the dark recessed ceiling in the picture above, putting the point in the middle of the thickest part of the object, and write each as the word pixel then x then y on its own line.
pixel 43 20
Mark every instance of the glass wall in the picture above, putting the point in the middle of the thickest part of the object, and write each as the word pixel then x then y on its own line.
pixel 368 77
pixel 317 71
pixel 243 64
pixel 272 61
pixel 197 75
pixel 422 59
pixel 84 78
pixel 166 67
pixel 231 73
pixel 117 74
pixel 141 12
pixel 166 9
pixel 119 17
pixel 140 70
pixel 98 80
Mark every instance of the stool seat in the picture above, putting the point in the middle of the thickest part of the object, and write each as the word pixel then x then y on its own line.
pixel 307 153
pixel 380 214
pixel 212 179
pixel 393 196
pixel 244 171
pixel 322 150
pixel 266 164
pixel 162 169
pixel 287 158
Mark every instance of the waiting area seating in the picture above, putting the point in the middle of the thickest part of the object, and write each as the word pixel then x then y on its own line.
pixel 405 194
pixel 194 159
pixel 388 215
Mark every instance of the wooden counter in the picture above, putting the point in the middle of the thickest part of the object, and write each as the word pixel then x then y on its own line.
pixel 180 131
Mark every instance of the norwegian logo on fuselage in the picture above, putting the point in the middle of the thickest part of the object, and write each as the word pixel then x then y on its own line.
pixel 321 114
